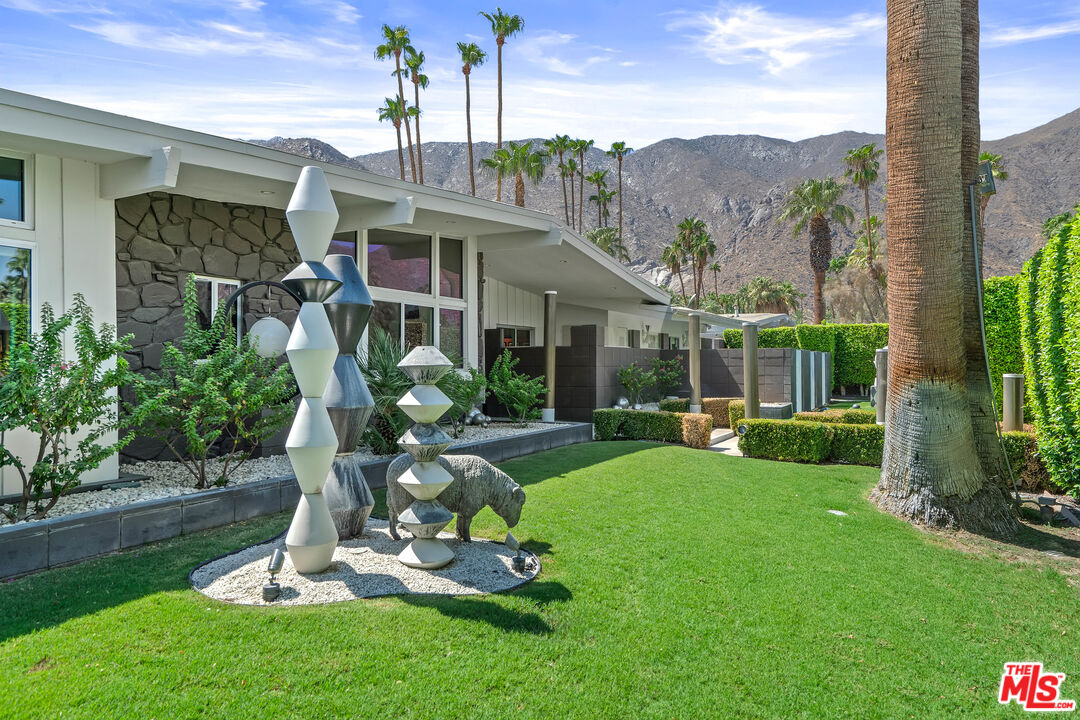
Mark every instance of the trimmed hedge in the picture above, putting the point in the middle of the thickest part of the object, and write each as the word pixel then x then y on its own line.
pixel 717 407
pixel 661 426
pixel 1050 332
pixel 1001 310
pixel 1027 465
pixel 793 440
pixel 696 429
pixel 781 337
pixel 855 346
pixel 736 412
pixel 813 442
pixel 849 416
pixel 857 444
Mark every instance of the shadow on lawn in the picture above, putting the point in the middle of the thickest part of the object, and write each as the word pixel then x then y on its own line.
pixel 494 613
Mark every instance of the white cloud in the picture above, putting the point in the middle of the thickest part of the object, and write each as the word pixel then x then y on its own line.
pixel 739 34
pixel 1014 35
pixel 540 50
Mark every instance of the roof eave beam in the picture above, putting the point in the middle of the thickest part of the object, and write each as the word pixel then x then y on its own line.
pixel 140 175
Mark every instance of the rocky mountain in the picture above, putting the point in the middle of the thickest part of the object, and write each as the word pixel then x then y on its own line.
pixel 737 183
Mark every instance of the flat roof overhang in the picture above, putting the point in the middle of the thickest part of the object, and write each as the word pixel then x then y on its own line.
pixel 525 248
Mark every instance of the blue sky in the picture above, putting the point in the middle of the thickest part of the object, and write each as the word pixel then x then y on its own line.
pixel 636 70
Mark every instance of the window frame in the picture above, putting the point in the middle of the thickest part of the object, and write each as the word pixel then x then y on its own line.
pixel 32 246
pixel 516 329
pixel 27 223
pixel 214 281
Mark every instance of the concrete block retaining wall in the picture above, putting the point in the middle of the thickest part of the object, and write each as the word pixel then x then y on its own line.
pixel 28 547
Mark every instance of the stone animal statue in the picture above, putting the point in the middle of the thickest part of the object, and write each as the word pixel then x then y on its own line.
pixel 476 483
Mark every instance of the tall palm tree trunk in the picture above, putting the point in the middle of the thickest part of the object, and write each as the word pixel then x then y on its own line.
pixel 930 469
pixel 820 254
pixel 400 154
pixel 682 285
pixel 401 98
pixel 581 191
pixel 468 135
pixel 979 386
pixel 419 151
pixel 573 205
pixel 715 283
pixel 620 196
pixel 498 138
pixel 875 272
pixel 565 210
pixel 519 190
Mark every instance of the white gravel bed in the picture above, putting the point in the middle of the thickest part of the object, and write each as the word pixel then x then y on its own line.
pixel 364 567
pixel 168 478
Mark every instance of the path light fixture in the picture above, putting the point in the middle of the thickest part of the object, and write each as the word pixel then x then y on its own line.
pixel 271 590
pixel 518 561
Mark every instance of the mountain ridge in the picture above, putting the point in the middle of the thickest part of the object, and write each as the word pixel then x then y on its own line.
pixel 737 183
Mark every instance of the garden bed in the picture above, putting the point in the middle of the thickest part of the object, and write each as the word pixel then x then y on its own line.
pixel 65 538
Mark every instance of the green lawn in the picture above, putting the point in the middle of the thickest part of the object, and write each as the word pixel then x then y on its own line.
pixel 676 583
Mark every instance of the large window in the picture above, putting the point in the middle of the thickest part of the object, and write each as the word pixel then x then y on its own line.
pixel 451 334
pixel 343 243
pixel 399 261
pixel 14 183
pixel 450 264
pixel 15 288
pixel 410 325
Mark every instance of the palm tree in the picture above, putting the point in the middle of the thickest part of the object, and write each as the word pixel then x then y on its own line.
pixel 503 26
pixel 521 161
pixel 931 471
pixel 689 230
pixel 392 111
pixel 619 150
pixel 862 170
pixel 997 167
pixel 715 267
pixel 673 258
pixel 571 171
pixel 581 147
pixel 396 42
pixel 608 240
pixel 606 196
pixel 702 251
pixel 599 179
pixel 557 146
pixel 817 202
pixel 763 294
pixel 414 61
pixel 471 56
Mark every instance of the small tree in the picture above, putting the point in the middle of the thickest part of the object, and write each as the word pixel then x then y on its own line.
pixel 464 391
pixel 519 393
pixel 69 404
pixel 668 374
pixel 635 379
pixel 212 397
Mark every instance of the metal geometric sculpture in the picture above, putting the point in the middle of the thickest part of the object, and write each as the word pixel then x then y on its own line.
pixel 347 398
pixel 425 442
pixel 312 350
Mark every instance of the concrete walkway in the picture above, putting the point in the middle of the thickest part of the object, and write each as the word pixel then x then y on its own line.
pixel 725 441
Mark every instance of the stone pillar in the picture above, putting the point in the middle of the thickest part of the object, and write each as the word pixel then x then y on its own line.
pixel 881 382
pixel 1012 402
pixel 695 363
pixel 548 413
pixel 312 350
pixel 750 370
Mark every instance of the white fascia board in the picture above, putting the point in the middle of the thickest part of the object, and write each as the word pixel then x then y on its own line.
pixel 140 175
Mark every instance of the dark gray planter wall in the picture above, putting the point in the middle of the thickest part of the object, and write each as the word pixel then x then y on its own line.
pixel 161 239
pixel 28 547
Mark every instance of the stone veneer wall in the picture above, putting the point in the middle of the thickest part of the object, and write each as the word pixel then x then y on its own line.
pixel 163 238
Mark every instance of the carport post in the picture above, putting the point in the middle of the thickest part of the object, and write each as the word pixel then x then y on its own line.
pixel 750 370
pixel 695 363
pixel 548 413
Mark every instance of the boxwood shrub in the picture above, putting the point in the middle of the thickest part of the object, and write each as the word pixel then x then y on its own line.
pixel 736 412
pixel 857 444
pixel 794 440
pixel 849 416
pixel 675 404
pixel 716 407
pixel 781 337
pixel 661 426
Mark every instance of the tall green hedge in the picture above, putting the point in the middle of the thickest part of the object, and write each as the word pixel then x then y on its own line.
pixel 1050 332
pixel 781 337
pixel 1001 309
pixel 853 362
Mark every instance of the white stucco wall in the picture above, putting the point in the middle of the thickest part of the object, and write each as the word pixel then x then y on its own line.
pixel 72 240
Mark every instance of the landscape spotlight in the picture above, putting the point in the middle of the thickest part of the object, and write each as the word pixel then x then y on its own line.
pixel 272 589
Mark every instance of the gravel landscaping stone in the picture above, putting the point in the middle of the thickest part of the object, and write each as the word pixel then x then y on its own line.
pixel 363 567
pixel 168 478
